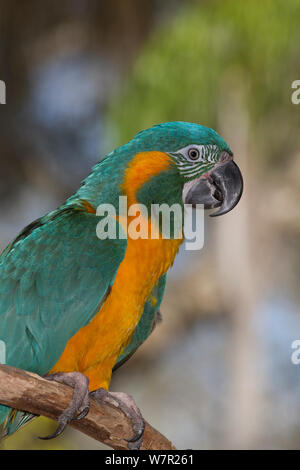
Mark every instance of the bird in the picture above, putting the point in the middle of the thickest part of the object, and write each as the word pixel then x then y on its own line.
pixel 75 306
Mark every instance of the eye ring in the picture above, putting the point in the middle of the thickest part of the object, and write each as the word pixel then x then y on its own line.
pixel 193 153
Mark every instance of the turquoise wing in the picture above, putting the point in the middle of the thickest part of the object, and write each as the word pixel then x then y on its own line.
pixel 147 322
pixel 53 279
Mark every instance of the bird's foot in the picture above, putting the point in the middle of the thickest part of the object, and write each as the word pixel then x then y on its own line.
pixel 80 404
pixel 126 404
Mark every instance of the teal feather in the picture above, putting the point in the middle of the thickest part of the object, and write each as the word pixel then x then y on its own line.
pixel 61 297
pixel 103 184
pixel 55 274
pixel 142 332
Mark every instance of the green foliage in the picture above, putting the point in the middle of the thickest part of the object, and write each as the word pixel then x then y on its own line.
pixel 193 61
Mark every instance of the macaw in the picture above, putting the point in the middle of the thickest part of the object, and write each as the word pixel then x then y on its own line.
pixel 74 307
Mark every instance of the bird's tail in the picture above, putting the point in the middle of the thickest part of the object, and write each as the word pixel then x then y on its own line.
pixel 4 414
pixel 12 420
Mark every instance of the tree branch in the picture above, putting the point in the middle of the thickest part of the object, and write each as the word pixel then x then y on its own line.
pixel 30 392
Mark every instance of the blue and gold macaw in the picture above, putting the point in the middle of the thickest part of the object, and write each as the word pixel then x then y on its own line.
pixel 74 307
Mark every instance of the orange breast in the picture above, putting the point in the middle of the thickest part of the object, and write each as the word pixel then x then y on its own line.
pixel 95 348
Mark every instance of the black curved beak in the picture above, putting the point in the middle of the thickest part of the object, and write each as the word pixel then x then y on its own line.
pixel 222 187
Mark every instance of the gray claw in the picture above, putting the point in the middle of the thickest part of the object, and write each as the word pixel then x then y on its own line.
pixel 135 442
pixel 128 406
pixel 80 404
pixel 63 421
pixel 82 414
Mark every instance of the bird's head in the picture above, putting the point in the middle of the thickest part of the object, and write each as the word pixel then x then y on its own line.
pixel 182 162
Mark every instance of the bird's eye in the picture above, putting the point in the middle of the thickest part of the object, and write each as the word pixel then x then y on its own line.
pixel 194 154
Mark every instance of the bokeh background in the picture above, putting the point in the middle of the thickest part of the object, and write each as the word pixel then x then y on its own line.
pixel 83 77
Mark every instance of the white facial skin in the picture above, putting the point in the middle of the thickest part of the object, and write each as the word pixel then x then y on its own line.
pixel 194 160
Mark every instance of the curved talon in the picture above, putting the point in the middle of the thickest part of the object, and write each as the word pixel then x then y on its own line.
pixel 135 445
pixel 135 442
pixel 80 404
pixel 60 428
pixel 125 403
pixel 82 414
pixel 138 434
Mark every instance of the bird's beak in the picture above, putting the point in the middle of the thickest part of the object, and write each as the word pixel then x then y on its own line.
pixel 222 187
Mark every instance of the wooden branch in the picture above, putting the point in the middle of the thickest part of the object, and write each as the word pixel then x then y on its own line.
pixel 30 392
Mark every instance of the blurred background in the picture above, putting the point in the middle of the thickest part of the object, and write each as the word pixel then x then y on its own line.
pixel 83 77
